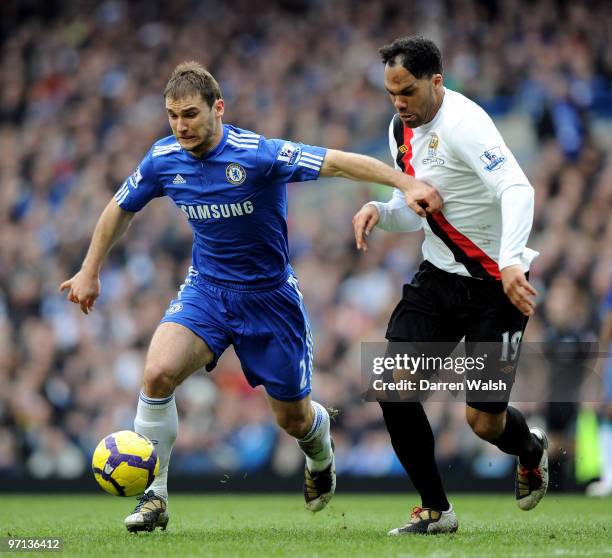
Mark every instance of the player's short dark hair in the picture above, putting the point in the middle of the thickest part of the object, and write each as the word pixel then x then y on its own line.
pixel 420 56
pixel 191 78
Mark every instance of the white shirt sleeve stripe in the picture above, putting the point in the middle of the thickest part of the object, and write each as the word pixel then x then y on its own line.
pixel 246 139
pixel 243 140
pixel 167 147
pixel 242 145
pixel 232 133
pixel 164 151
pixel 302 164
pixel 121 191
pixel 123 197
pixel 312 156
pixel 237 142
pixel 311 161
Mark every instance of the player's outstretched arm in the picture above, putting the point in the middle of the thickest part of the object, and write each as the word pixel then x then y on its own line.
pixel 420 197
pixel 84 287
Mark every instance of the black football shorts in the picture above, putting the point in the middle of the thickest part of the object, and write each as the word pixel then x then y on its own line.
pixel 439 309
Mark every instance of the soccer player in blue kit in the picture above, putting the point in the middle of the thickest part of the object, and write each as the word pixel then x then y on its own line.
pixel 240 289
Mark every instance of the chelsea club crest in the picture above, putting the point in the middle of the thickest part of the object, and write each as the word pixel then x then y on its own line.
pixel 235 173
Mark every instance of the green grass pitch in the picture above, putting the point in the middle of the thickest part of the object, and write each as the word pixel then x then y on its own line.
pixel 278 526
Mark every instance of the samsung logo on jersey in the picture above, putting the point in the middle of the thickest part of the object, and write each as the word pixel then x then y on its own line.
pixel 217 211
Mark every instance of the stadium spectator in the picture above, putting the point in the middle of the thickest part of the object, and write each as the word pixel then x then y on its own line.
pixel 71 129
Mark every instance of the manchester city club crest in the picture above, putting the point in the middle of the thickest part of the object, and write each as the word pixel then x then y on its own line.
pixel 432 148
pixel 235 173
pixel 432 151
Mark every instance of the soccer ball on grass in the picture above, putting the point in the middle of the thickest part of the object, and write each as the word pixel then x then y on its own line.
pixel 125 463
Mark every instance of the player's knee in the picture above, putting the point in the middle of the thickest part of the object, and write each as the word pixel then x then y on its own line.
pixel 484 427
pixel 159 380
pixel 294 425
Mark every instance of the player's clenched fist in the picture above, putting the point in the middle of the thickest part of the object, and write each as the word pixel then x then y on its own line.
pixel 363 223
pixel 83 289
pixel 423 198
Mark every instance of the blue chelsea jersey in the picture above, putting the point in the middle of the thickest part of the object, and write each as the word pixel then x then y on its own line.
pixel 235 198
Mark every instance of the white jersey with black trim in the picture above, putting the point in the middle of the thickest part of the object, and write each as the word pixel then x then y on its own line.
pixel 462 154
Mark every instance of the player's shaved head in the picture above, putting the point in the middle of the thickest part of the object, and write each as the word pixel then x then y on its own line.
pixel 420 56
pixel 191 78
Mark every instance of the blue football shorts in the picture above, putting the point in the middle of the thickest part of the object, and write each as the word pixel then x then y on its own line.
pixel 269 329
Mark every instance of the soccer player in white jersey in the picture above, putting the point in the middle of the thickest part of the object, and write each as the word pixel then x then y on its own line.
pixel 473 283
pixel 231 185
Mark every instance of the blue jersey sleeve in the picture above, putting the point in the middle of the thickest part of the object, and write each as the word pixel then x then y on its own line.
pixel 284 161
pixel 140 187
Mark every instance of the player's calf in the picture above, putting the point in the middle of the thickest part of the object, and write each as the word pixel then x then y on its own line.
pixel 309 423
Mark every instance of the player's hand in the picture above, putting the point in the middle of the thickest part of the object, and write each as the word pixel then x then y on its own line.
pixel 363 223
pixel 518 289
pixel 423 198
pixel 83 289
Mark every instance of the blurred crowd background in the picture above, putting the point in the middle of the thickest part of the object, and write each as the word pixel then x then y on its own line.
pixel 80 104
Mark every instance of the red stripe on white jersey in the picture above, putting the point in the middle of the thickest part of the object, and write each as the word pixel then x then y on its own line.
pixel 468 247
pixel 408 168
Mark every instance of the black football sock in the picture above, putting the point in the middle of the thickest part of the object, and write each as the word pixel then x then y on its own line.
pixel 517 440
pixel 413 442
